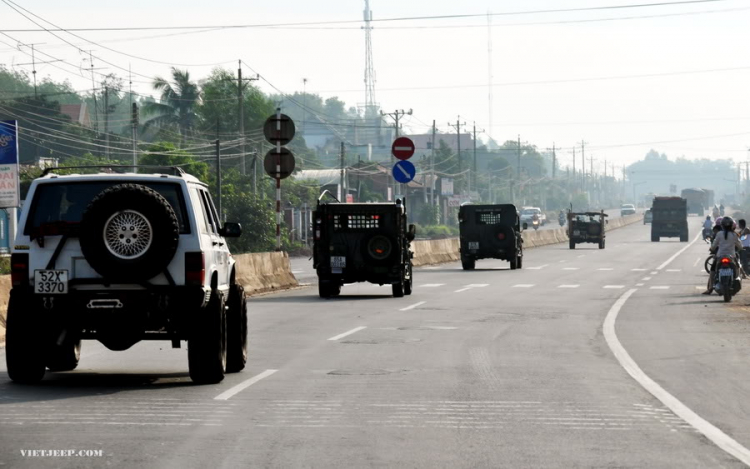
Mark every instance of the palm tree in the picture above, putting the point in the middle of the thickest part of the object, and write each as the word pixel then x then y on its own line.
pixel 177 105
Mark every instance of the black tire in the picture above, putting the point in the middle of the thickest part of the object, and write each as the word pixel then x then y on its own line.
pixel 323 290
pixel 207 345
pixel 107 210
pixel 683 237
pixel 64 357
pixel 601 244
pixel 709 263
pixel 468 264
pixel 408 282
pixel 727 295
pixel 572 245
pixel 514 263
pixel 519 261
pixel 24 342
pixel 236 329
pixel 398 289
pixel 655 238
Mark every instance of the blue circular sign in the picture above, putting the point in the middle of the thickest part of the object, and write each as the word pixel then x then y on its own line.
pixel 404 171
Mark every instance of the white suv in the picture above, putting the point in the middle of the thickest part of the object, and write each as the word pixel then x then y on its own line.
pixel 122 258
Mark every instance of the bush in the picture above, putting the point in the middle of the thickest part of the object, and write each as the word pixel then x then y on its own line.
pixel 436 231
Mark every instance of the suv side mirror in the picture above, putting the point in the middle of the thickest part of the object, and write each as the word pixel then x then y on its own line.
pixel 525 226
pixel 231 230
pixel 412 233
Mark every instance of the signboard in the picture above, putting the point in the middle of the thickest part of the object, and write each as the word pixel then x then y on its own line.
pixel 403 172
pixel 403 148
pixel 287 163
pixel 10 194
pixel 349 198
pixel 446 186
pixel 279 130
pixel 454 201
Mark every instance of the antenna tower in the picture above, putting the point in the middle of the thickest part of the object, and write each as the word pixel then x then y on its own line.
pixel 370 105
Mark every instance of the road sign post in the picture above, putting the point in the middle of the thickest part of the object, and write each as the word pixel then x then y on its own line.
pixel 403 148
pixel 404 172
pixel 279 163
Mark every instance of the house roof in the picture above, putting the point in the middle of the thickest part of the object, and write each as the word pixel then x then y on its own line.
pixel 78 113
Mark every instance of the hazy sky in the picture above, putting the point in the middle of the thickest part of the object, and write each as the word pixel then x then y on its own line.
pixel 562 79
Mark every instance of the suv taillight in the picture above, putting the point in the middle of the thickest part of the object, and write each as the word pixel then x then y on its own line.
pixel 19 269
pixel 195 268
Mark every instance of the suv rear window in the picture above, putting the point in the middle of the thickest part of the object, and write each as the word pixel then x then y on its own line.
pixel 60 202
pixel 342 222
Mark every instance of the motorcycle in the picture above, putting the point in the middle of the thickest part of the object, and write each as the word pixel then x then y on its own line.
pixel 728 282
pixel 561 219
pixel 535 224
pixel 707 235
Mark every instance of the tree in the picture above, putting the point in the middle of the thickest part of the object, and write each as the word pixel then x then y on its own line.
pixel 177 108
pixel 166 154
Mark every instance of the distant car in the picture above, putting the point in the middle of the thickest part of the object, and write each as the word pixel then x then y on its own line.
pixel 527 214
pixel 648 216
pixel 627 209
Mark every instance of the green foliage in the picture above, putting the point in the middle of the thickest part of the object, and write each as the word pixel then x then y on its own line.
pixel 436 231
pixel 257 218
pixel 428 214
pixel 166 154
pixel 177 108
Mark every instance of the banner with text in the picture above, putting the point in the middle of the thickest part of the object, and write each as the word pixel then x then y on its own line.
pixel 10 193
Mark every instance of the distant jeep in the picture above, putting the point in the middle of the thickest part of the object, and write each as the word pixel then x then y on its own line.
pixel 587 227
pixel 490 232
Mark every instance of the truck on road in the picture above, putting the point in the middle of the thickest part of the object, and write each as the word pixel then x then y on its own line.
pixel 669 219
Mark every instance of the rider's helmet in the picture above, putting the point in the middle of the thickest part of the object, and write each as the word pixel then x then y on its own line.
pixel 718 221
pixel 708 217
pixel 727 223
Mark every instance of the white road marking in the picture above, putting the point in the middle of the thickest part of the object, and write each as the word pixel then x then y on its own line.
pixel 696 262
pixel 654 273
pixel 297 271
pixel 669 261
pixel 568 286
pixel 699 288
pixel 537 267
pixel 638 284
pixel 473 285
pixel 605 269
pixel 412 306
pixel 614 287
pixel 243 385
pixel 646 279
pixel 431 285
pixel 718 437
pixel 582 255
pixel 341 336
pixel 571 268
pixel 637 270
pixel 523 285
pixel 660 287
pixel 674 270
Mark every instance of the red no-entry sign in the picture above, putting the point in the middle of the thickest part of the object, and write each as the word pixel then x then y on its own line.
pixel 403 148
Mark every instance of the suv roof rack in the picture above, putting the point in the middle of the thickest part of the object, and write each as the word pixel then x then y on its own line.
pixel 176 170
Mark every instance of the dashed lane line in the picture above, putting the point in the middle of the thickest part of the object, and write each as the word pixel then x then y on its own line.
pixel 524 285
pixel 568 286
pixel 718 437
pixel 413 306
pixel 341 336
pixel 431 285
pixel 696 262
pixel 473 285
pixel 660 287
pixel 606 269
pixel 539 267
pixel 674 270
pixel 243 385
pixel 637 270
pixel 614 287
pixel 646 279
pixel 571 268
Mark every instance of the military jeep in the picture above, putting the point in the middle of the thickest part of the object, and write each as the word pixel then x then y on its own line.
pixel 587 227
pixel 366 242
pixel 490 232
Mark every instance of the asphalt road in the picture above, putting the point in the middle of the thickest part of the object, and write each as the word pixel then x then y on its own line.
pixel 488 368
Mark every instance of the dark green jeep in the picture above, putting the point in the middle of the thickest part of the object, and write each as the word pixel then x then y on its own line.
pixel 362 243
pixel 490 232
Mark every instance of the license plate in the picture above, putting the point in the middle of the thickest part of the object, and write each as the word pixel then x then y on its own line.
pixel 338 262
pixel 474 245
pixel 725 273
pixel 51 282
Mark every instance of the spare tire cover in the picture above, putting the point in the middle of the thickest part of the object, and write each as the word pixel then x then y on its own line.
pixel 129 233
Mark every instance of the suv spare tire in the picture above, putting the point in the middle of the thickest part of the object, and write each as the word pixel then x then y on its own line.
pixel 129 232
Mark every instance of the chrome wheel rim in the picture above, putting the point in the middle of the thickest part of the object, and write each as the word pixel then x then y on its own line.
pixel 128 234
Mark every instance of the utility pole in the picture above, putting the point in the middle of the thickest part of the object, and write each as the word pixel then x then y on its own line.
pixel 241 104
pixel 93 91
pixel 458 144
pixel 554 160
pixel 106 121
pixel 574 164
pixel 474 166
pixel 342 194
pixel 396 116
pixel 583 165
pixel 134 128
pixel 432 167
pixel 218 172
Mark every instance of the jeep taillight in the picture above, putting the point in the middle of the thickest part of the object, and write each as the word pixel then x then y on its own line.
pixel 195 268
pixel 19 269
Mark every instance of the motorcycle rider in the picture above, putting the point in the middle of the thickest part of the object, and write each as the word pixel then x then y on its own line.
pixel 721 210
pixel 562 217
pixel 726 244
pixel 707 225
pixel 745 252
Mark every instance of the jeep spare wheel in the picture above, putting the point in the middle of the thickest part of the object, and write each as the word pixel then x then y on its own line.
pixel 129 232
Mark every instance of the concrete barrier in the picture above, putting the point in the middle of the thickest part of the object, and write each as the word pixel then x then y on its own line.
pixel 264 271
pixel 435 251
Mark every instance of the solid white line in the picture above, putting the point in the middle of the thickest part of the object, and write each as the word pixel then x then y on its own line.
pixel 341 336
pixel 568 286
pixel 243 385
pixel 669 261
pixel 413 306
pixel 719 438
